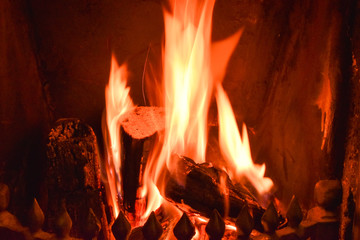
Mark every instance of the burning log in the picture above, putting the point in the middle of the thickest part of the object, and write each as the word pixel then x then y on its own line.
pixel 138 129
pixel 73 176
pixel 202 191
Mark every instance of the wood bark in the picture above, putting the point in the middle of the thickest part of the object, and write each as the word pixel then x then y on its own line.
pixel 73 175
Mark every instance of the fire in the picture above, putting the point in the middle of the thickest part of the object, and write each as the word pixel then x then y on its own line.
pixel 118 102
pixel 187 77
pixel 236 149
pixel 193 69
pixel 187 89
pixel 193 66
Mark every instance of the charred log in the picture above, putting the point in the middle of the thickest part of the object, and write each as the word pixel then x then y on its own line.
pixel 73 175
pixel 200 189
pixel 138 131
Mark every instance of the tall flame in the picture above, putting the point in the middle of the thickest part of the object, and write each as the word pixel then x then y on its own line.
pixel 187 77
pixel 187 89
pixel 118 102
pixel 192 68
pixel 236 149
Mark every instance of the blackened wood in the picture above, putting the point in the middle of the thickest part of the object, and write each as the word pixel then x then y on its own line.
pixel 73 175
pixel 138 129
pixel 130 169
pixel 202 193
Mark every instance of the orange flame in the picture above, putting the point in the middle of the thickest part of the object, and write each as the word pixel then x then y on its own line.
pixel 187 77
pixel 118 102
pixel 235 149
pixel 187 85
pixel 192 67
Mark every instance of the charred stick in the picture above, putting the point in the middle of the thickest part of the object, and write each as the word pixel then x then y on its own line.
pixel 202 191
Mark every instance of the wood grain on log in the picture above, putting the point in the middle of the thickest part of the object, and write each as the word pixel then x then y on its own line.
pixel 73 175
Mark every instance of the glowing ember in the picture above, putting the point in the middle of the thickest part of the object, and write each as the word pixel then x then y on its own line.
pixel 118 103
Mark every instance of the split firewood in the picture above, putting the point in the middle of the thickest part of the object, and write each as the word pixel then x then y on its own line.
pixel 200 189
pixel 73 176
pixel 138 133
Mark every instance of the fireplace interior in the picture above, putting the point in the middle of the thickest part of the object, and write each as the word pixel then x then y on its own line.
pixel 293 79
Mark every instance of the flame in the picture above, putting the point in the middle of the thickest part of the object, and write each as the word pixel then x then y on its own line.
pixel 118 102
pixel 186 93
pixel 193 68
pixel 187 77
pixel 236 149
pixel 153 195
